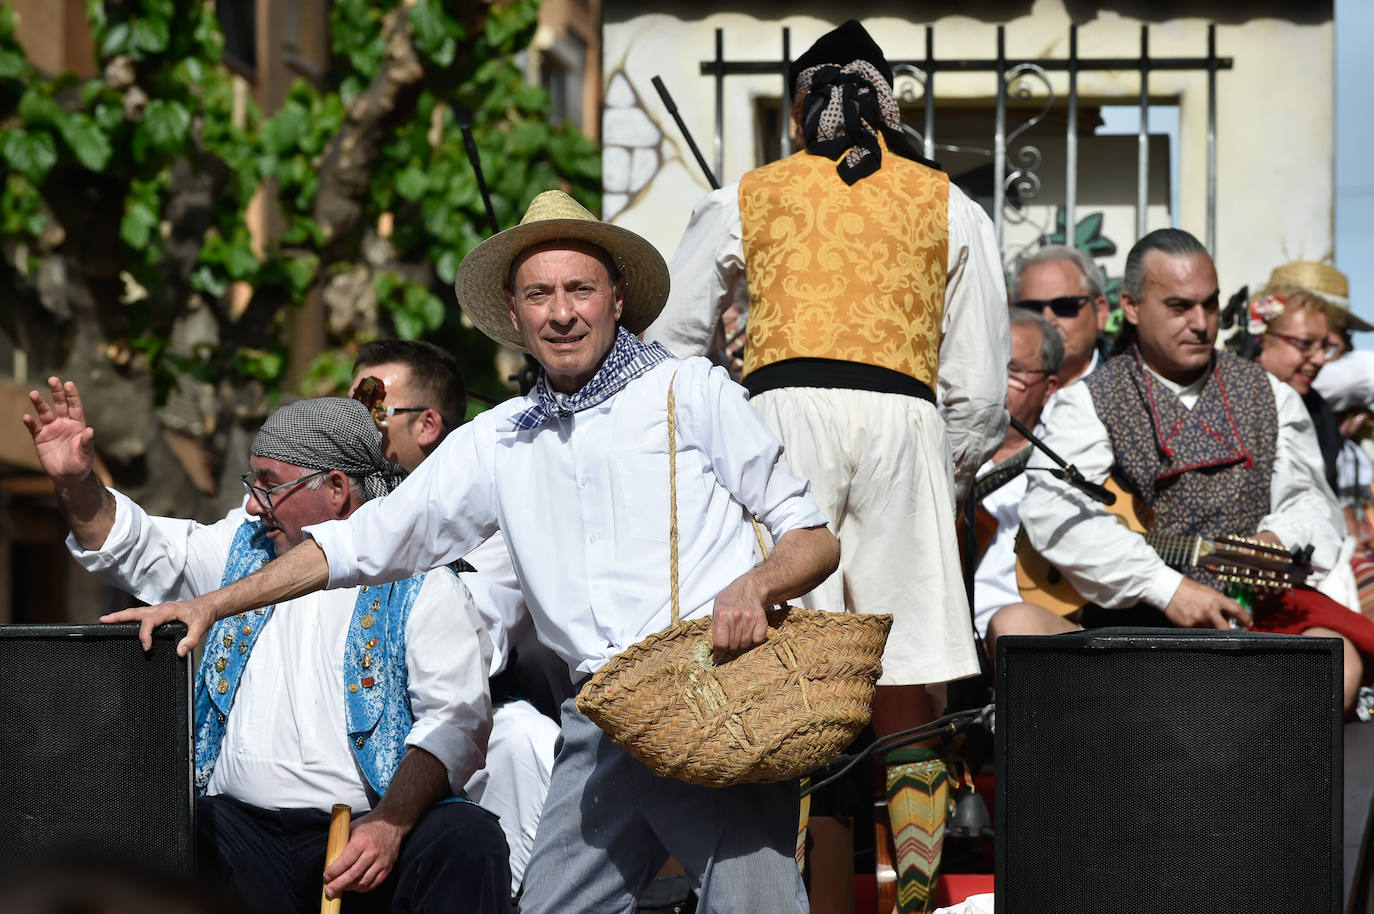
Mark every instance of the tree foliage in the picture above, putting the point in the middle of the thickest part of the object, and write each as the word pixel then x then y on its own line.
pixel 127 258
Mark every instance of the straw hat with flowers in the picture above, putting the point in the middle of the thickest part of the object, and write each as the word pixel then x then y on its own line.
pixel 554 216
pixel 1324 280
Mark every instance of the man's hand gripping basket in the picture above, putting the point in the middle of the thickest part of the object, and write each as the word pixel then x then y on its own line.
pixel 771 713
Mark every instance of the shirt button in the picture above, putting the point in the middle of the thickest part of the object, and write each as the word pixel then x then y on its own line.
pixel 596 587
pixel 582 483
pixel 592 538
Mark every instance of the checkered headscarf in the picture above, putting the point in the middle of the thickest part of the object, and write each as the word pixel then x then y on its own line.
pixel 629 358
pixel 329 433
pixel 842 110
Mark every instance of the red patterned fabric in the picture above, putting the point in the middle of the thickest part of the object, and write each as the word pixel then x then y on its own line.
pixel 1292 612
pixel 1362 563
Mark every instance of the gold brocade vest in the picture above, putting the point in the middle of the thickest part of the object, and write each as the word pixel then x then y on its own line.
pixel 845 273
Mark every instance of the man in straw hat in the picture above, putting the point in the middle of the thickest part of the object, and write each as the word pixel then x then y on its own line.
pixel 373 697
pixel 876 347
pixel 575 474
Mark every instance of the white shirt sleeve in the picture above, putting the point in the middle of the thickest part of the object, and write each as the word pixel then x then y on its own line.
pixel 497 596
pixel 708 275
pixel 439 513
pixel 160 559
pixel 1105 561
pixel 448 654
pixel 745 455
pixel 976 342
pixel 1303 508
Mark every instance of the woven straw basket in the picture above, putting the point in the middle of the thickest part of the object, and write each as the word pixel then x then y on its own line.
pixel 771 713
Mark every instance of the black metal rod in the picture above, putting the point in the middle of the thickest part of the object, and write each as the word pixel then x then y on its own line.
pixel 686 134
pixel 989 65
pixel 464 118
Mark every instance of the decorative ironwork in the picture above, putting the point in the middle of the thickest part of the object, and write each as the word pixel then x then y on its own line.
pixel 1023 179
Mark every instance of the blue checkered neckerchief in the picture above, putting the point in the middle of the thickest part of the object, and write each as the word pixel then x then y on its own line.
pixel 629 358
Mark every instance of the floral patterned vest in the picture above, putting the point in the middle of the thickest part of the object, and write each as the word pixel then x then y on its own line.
pixel 850 274
pixel 1204 471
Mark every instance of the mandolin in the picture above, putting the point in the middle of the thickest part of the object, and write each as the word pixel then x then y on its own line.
pixel 1239 560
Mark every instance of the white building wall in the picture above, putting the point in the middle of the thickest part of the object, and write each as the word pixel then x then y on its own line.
pixel 1275 112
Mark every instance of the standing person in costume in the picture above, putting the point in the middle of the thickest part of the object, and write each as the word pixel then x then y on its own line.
pixel 371 696
pixel 876 348
pixel 416 395
pixel 576 476
pixel 1212 443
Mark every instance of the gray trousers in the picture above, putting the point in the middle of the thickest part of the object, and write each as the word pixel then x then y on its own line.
pixel 609 825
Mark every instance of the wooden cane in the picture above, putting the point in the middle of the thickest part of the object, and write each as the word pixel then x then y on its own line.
pixel 339 819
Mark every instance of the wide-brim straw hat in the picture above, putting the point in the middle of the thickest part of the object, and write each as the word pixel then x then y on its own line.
pixel 1324 280
pixel 554 216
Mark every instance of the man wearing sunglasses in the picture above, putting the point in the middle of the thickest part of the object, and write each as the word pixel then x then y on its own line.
pixel 1064 286
pixel 1212 443
pixel 416 394
pixel 375 697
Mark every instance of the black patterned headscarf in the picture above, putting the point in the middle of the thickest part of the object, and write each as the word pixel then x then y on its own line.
pixel 842 97
pixel 329 433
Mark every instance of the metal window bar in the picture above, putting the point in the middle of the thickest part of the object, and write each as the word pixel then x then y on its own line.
pixel 1009 70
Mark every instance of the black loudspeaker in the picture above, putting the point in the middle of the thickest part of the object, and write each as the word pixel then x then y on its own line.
pixel 96 764
pixel 1151 770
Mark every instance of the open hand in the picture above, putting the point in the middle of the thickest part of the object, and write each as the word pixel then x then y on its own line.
pixel 61 437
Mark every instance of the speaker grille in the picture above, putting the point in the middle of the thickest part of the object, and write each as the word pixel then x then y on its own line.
pixel 95 753
pixel 1169 772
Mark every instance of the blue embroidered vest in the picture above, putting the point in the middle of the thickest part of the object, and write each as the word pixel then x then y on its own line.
pixel 377 707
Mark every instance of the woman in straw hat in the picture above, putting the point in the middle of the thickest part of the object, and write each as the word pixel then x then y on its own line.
pixel 575 474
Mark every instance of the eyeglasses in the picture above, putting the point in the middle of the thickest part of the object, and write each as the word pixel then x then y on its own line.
pixel 1025 374
pixel 370 392
pixel 1305 346
pixel 1064 306
pixel 265 495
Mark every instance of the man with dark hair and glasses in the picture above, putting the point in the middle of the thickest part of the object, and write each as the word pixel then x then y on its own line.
pixel 1211 443
pixel 375 697
pixel 416 394
pixel 1064 286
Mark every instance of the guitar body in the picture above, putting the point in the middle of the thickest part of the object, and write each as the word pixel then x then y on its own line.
pixel 1043 584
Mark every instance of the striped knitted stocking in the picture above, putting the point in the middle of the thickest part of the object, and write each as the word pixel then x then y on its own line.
pixel 917 804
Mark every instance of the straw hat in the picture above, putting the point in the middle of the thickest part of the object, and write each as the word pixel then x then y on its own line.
pixel 554 216
pixel 1326 281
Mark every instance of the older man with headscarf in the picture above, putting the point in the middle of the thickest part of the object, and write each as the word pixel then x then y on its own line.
pixel 375 697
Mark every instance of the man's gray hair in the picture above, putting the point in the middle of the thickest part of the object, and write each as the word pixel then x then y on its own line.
pixel 329 433
pixel 1092 274
pixel 1051 343
pixel 1171 241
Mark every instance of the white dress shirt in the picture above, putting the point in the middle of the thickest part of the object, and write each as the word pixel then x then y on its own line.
pixel 994 581
pixel 1113 567
pixel 286 741
pixel 583 503
pixel 708 275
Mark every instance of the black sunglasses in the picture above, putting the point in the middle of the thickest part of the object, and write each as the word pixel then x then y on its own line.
pixel 1063 306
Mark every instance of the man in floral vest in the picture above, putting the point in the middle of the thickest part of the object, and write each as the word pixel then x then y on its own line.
pixel 378 699
pixel 1212 443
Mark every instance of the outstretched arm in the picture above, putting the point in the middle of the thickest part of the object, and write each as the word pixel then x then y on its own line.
pixel 301 571
pixel 66 450
pixel 375 841
pixel 800 561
